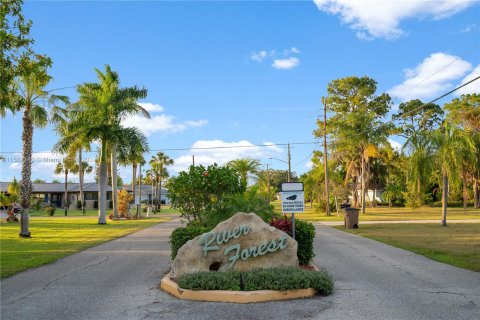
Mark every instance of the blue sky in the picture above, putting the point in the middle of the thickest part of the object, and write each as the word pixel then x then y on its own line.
pixel 239 73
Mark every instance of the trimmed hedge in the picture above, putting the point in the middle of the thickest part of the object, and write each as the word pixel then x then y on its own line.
pixel 282 279
pixel 180 236
pixel 304 234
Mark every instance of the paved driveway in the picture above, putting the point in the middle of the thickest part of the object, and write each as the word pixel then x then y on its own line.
pixel 119 280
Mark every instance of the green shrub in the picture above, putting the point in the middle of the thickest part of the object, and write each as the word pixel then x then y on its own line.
pixel 198 190
pixel 229 280
pixel 282 279
pixel 50 210
pixel 180 236
pixel 305 235
pixel 247 202
pixel 79 204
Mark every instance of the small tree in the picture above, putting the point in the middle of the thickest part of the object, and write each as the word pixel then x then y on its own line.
pixel 194 193
pixel 124 199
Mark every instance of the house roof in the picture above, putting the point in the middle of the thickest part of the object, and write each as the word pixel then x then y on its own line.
pixel 146 189
pixel 59 187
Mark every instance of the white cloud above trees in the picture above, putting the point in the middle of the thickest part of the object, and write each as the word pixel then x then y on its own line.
pixel 473 87
pixel 160 122
pixel 228 151
pixel 382 18
pixel 434 75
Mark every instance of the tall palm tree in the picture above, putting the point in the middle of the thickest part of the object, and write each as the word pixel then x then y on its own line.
pixel 159 164
pixel 31 98
pixel 65 167
pixel 244 167
pixel 97 116
pixel 451 144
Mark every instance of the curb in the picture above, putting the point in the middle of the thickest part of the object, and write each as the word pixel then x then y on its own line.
pixel 170 286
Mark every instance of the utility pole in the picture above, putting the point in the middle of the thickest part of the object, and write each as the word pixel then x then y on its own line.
pixel 193 160
pixel 289 166
pixel 268 184
pixel 325 156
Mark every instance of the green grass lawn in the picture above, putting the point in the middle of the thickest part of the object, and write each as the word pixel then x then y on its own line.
pixel 55 237
pixel 92 212
pixel 388 214
pixel 458 244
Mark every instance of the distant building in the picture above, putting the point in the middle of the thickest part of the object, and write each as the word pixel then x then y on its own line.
pixel 147 194
pixel 54 194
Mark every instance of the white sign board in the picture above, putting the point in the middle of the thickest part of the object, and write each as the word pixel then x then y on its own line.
pixel 292 186
pixel 293 201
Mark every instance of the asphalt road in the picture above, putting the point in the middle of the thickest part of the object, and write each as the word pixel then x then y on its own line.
pixel 119 280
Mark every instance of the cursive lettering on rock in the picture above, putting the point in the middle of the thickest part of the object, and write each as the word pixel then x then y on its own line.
pixel 210 241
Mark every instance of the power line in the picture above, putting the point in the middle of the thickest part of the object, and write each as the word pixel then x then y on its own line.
pixel 432 101
pixel 202 148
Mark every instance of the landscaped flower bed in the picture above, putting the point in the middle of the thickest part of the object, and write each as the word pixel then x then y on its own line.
pixel 281 279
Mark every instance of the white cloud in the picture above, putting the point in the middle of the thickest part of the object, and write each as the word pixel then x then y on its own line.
pixel 382 18
pixel 395 145
pixel 284 64
pixel 258 56
pixel 284 61
pixel 151 107
pixel 468 28
pixel 222 155
pixel 292 50
pixel 473 87
pixel 309 164
pixel 431 77
pixel 43 166
pixel 162 123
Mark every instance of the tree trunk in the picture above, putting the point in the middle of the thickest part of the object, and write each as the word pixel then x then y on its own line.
pixel 134 181
pixel 113 152
pixel 419 191
pixel 465 190
pixel 103 180
pixel 25 185
pixel 65 201
pixel 80 178
pixel 444 199
pixel 363 185
pixel 160 191
pixel 139 208
pixel 355 193
pixel 475 193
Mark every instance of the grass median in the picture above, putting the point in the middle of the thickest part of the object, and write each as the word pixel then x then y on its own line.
pixel 457 245
pixel 60 212
pixel 54 238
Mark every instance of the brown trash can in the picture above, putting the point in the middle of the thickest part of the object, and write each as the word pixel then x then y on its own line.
pixel 350 218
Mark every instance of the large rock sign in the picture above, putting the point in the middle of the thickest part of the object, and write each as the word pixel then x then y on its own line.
pixel 243 242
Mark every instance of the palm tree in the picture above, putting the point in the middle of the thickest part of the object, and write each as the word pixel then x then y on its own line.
pixel 131 150
pixel 452 145
pixel 159 164
pixel 14 191
pixel 244 167
pixel 31 98
pixel 97 116
pixel 65 166
pixel 80 168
